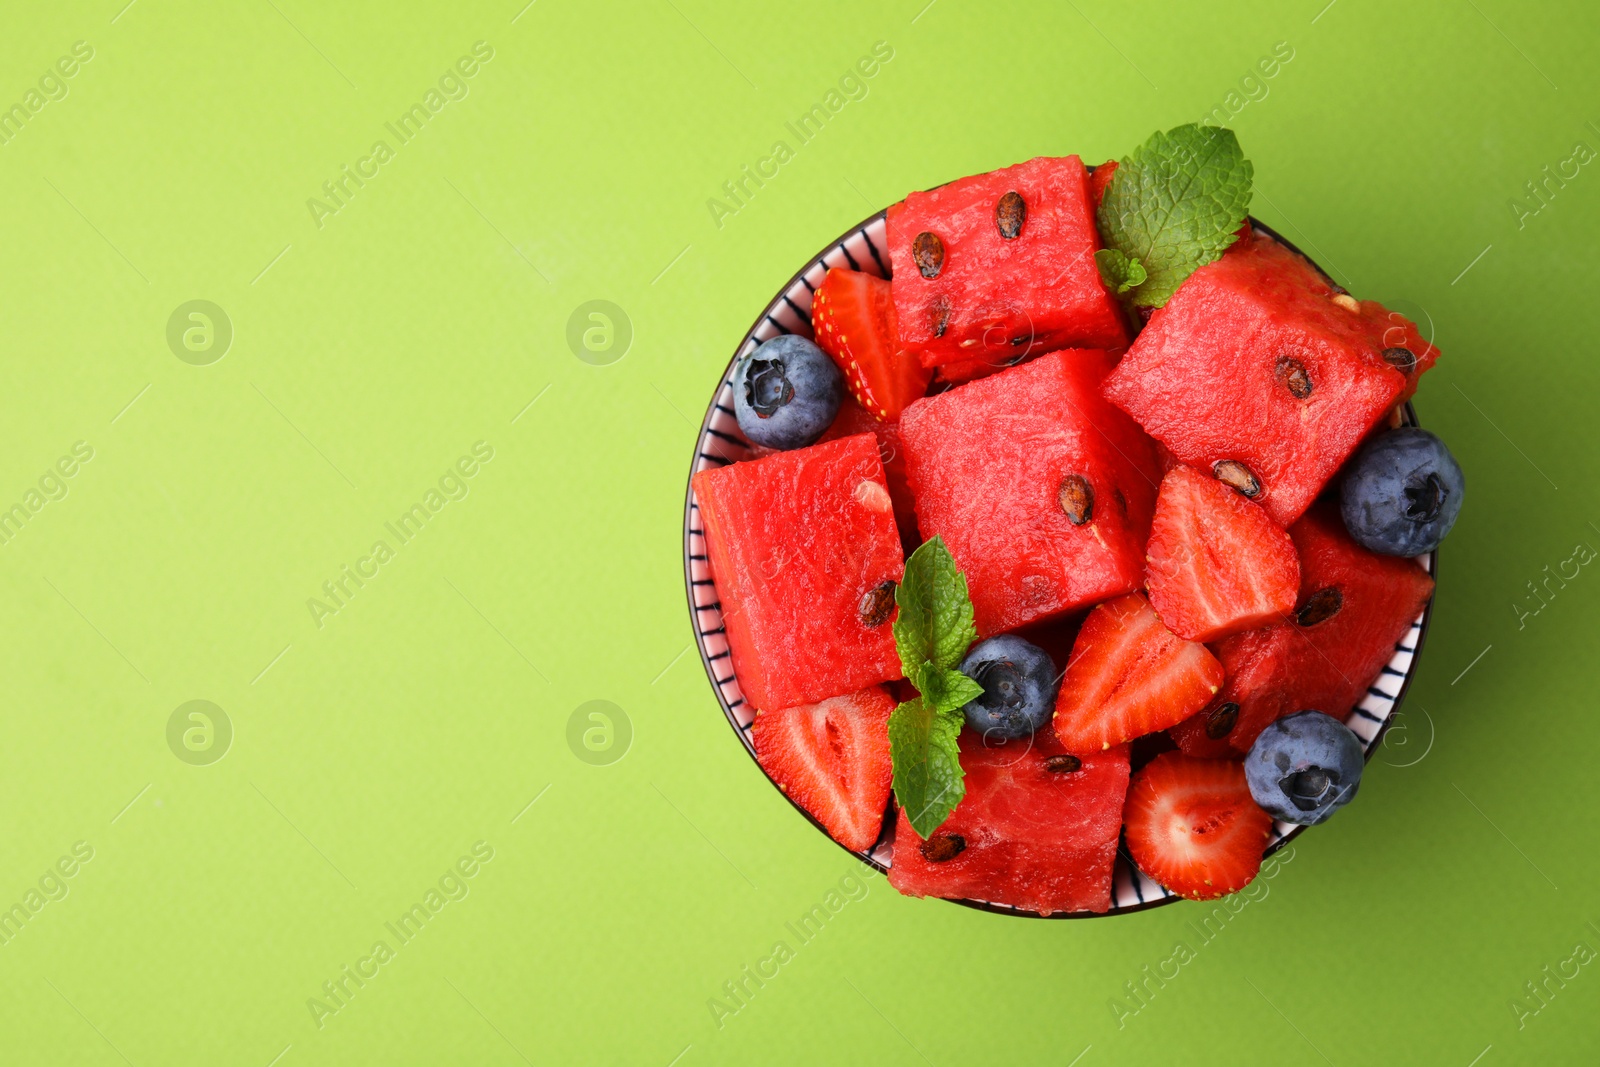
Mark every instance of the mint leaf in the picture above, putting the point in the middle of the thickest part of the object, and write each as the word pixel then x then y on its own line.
pixel 1174 205
pixel 928 780
pixel 931 634
pixel 946 690
pixel 935 622
pixel 1118 271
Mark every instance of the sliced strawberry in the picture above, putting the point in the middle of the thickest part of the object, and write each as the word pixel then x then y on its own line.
pixel 1217 564
pixel 832 758
pixel 1100 179
pixel 852 317
pixel 1129 676
pixel 1193 827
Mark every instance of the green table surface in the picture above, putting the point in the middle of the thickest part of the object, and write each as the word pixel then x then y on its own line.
pixel 389 327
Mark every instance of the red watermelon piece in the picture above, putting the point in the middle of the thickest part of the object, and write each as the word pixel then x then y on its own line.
pixel 1041 490
pixel 1217 564
pixel 964 290
pixel 804 551
pixel 832 758
pixel 1029 833
pixel 1129 676
pixel 1353 607
pixel 1258 361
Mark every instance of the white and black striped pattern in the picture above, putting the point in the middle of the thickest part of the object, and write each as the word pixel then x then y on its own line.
pixel 864 247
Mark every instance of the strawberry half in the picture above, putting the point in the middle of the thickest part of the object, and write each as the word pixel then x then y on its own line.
pixel 832 758
pixel 1217 564
pixel 1193 826
pixel 1130 676
pixel 852 317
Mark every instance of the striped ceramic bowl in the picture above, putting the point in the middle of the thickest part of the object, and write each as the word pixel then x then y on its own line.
pixel 865 248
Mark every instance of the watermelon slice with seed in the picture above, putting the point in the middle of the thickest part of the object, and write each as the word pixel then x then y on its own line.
pixel 1259 370
pixel 1037 829
pixel 1217 564
pixel 805 555
pixel 1353 607
pixel 997 266
pixel 1042 490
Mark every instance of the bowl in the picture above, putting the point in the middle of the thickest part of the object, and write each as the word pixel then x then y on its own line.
pixel 864 247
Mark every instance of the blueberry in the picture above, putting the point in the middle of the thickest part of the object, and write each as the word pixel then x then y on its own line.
pixel 1304 767
pixel 1402 493
pixel 1019 687
pixel 786 393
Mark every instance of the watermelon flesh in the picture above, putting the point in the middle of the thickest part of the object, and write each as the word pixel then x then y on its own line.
pixel 1327 665
pixel 993 298
pixel 853 419
pixel 991 462
pixel 1031 837
pixel 1258 360
pixel 799 544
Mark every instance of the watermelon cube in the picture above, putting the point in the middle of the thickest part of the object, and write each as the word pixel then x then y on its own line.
pixel 1042 491
pixel 1353 607
pixel 999 266
pixel 1030 832
pixel 805 555
pixel 1259 365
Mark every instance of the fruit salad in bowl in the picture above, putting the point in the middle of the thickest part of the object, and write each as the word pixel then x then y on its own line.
pixel 1061 540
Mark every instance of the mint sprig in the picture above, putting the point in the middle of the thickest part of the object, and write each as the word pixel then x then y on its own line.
pixel 1173 205
pixel 932 632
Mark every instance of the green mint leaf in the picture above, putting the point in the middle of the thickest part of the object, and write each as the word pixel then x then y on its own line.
pixel 935 622
pixel 928 780
pixel 945 690
pixel 1118 271
pixel 1174 205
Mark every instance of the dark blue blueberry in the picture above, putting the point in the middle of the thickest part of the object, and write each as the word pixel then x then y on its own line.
pixel 786 393
pixel 1403 493
pixel 1019 687
pixel 1304 767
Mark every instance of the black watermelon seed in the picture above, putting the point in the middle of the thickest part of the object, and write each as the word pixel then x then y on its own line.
pixel 1401 359
pixel 1323 605
pixel 1220 722
pixel 941 848
pixel 1292 373
pixel 1232 472
pixel 1009 214
pixel 877 604
pixel 1077 499
pixel 927 252
pixel 1062 764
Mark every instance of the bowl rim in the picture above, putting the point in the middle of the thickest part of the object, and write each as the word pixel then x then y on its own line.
pixel 1409 418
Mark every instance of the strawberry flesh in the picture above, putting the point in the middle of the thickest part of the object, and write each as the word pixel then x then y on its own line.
pixel 1100 179
pixel 852 318
pixel 1193 826
pixel 832 759
pixel 1217 564
pixel 1130 676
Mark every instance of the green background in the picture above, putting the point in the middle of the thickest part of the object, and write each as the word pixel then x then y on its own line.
pixel 371 752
